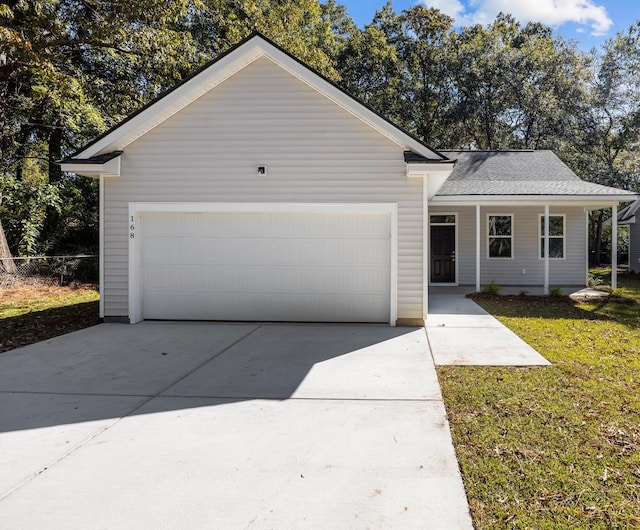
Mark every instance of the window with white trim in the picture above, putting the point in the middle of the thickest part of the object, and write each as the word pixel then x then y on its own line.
pixel 500 236
pixel 557 238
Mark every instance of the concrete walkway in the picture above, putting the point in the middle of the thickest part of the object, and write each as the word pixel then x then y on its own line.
pixel 203 425
pixel 460 332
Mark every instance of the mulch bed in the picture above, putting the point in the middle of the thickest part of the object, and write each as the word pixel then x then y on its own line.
pixel 519 297
pixel 545 298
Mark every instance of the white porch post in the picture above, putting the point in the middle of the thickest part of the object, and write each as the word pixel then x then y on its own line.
pixel 477 248
pixel 426 254
pixel 546 249
pixel 101 223
pixel 614 247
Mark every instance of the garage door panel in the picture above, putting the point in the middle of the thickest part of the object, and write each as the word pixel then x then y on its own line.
pixel 158 249
pixel 228 279
pixel 298 251
pixel 275 266
pixel 306 308
pixel 316 226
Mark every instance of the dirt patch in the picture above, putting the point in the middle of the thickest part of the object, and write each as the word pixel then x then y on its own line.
pixel 23 332
pixel 623 300
pixel 32 313
pixel 18 293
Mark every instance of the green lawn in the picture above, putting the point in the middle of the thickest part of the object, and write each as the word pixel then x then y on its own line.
pixel 29 315
pixel 554 447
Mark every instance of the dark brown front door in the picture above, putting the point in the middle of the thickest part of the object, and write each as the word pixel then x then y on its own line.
pixel 443 251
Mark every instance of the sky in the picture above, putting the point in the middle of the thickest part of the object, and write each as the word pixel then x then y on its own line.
pixel 589 22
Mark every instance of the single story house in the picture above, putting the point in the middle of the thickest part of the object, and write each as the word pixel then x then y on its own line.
pixel 258 190
pixel 627 217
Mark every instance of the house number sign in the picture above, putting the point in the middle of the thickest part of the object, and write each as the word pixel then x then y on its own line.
pixel 132 229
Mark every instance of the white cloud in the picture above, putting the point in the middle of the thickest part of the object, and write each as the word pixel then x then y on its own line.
pixel 453 8
pixel 551 12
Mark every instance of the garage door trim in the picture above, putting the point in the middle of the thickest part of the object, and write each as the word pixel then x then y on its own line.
pixel 135 234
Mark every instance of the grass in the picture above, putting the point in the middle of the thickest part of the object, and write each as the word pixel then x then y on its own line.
pixel 32 314
pixel 555 447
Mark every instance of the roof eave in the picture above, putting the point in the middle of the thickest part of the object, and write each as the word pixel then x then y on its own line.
pixel 433 166
pixel 594 201
pixel 434 173
pixel 96 167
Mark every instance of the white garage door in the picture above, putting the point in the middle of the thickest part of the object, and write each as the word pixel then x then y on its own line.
pixel 318 267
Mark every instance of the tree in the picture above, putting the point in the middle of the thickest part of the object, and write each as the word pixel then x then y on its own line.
pixel 304 28
pixel 605 147
pixel 479 62
pixel 370 70
pixel 398 65
pixel 68 69
pixel 514 86
pixel 548 81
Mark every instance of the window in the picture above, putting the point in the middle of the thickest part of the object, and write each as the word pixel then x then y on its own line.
pixel 443 219
pixel 500 240
pixel 556 237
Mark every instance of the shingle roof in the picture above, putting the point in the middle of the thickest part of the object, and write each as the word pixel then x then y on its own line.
pixel 100 159
pixel 413 158
pixel 516 173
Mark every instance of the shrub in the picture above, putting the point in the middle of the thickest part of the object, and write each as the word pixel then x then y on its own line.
pixel 491 288
pixel 555 292
pixel 594 280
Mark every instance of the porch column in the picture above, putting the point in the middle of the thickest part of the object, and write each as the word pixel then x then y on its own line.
pixel 426 254
pixel 546 249
pixel 477 248
pixel 101 245
pixel 614 247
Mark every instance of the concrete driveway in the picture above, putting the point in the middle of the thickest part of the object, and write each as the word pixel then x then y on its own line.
pixel 203 425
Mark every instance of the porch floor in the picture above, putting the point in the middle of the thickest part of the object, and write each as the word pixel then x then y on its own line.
pixel 504 289
pixel 577 292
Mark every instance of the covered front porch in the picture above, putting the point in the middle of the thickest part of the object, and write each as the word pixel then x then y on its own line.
pixel 521 244
pixel 516 218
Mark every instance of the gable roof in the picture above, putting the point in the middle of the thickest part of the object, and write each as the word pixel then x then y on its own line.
pixel 627 215
pixel 221 68
pixel 519 173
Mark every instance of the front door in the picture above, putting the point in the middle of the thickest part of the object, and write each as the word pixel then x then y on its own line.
pixel 443 253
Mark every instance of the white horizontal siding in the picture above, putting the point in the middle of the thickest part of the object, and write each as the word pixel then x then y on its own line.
pixel 570 271
pixel 315 152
